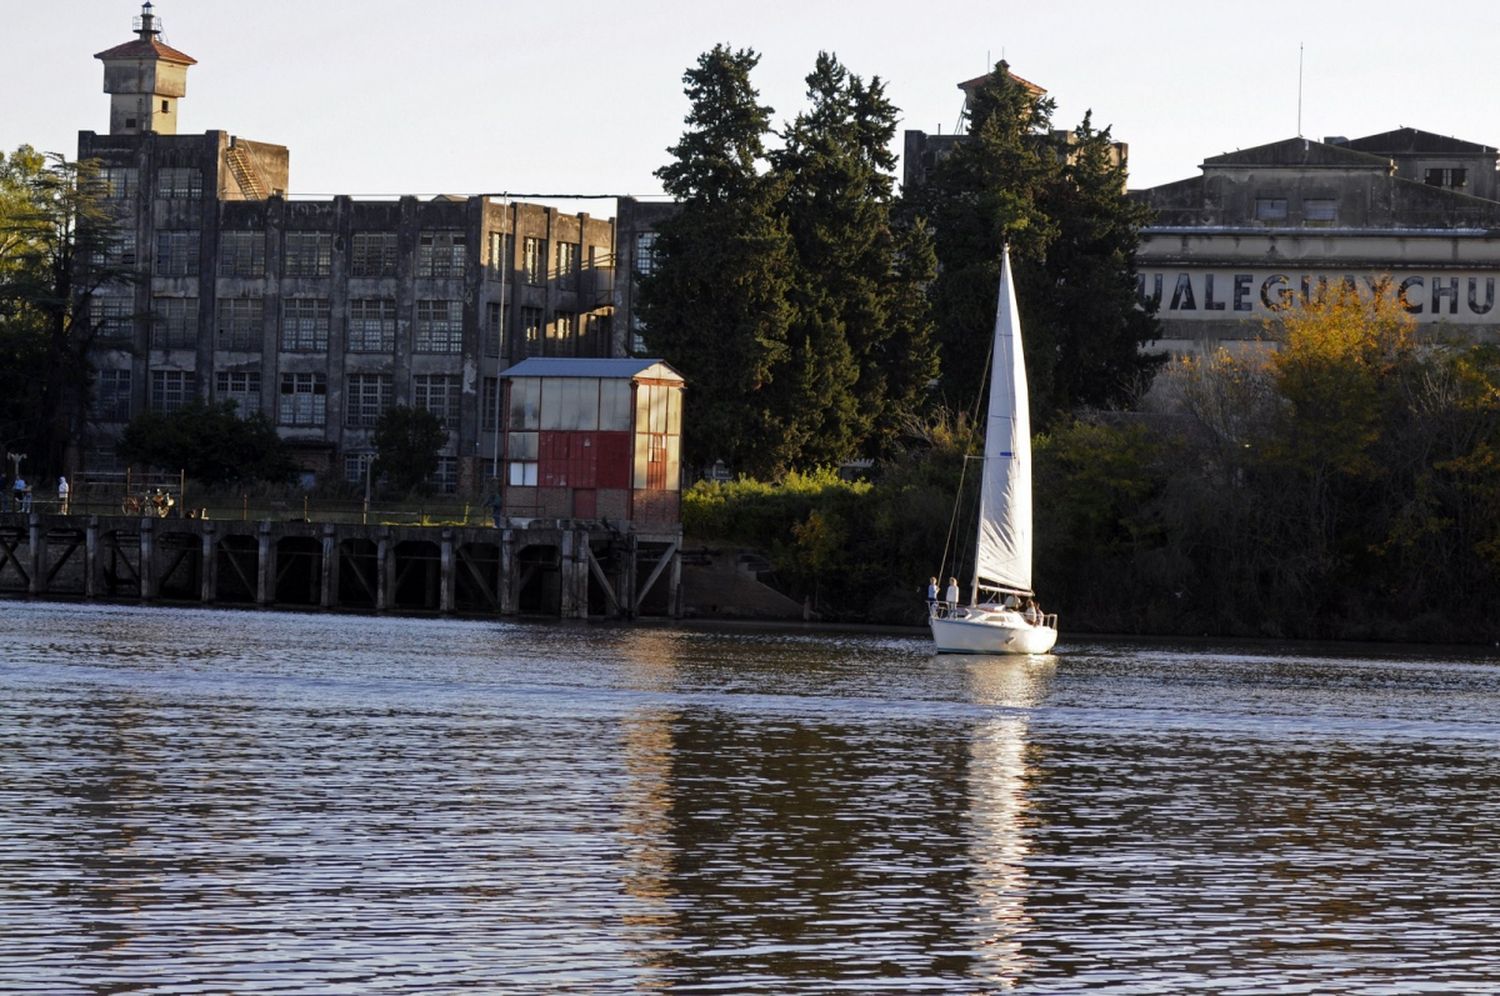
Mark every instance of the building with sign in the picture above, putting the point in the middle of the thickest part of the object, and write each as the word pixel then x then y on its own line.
pixel 1406 212
pixel 321 314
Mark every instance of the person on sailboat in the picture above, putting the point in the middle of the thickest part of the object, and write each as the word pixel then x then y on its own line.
pixel 952 594
pixel 932 595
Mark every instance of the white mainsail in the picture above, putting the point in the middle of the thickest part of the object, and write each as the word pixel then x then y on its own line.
pixel 1003 557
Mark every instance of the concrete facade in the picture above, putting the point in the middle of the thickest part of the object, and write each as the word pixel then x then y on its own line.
pixel 1405 213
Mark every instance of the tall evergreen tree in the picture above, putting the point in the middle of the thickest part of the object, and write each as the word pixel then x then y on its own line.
pixel 1062 208
pixel 716 306
pixel 862 352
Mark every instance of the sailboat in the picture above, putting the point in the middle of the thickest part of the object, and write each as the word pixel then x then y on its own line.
pixel 1006 620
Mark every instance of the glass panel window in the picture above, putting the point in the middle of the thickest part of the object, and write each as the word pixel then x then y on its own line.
pixel 444 479
pixel 242 254
pixel 567 262
pixel 356 465
pixel 439 394
pixel 493 333
pixel 308 254
pixel 374 254
pixel 522 473
pixel 179 183
pixel 177 253
pixel 614 405
pixel 1320 209
pixel 1270 208
pixel 531 331
pixel 241 323
pixel 645 253
pixel 304 325
pixel 171 389
pixel 118 249
pixel 304 399
pixel 534 260
pixel 119 182
pixel 525 404
pixel 440 327
pixel 113 317
pixel 372 325
pixel 174 323
pixel 240 386
pixel 442 254
pixel 563 338
pixel 489 405
pixel 112 396
pixel 367 396
pixel 501 249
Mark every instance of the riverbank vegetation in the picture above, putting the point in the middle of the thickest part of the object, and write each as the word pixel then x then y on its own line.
pixel 1343 481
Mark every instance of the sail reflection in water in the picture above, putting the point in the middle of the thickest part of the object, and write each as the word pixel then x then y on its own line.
pixel 199 801
pixel 998 807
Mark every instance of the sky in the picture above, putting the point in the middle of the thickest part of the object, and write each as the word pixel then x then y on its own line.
pixel 584 96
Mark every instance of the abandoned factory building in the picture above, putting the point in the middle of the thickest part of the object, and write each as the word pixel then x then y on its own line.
pixel 1409 212
pixel 321 314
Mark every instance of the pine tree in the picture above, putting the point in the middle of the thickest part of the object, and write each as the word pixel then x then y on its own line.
pixel 716 306
pixel 862 340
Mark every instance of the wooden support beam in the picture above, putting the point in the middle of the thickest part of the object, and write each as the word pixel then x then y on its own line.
pixel 661 565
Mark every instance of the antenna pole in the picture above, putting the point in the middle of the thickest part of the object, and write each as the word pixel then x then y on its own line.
pixel 1299 89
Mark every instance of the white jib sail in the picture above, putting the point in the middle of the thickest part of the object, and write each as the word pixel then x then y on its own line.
pixel 1003 558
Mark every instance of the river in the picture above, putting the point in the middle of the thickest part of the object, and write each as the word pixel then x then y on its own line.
pixel 205 801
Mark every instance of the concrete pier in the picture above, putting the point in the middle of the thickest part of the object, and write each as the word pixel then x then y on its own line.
pixel 571 569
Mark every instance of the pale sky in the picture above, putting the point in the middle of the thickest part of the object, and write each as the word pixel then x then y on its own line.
pixel 465 96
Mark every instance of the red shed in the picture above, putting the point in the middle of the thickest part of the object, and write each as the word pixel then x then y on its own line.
pixel 594 438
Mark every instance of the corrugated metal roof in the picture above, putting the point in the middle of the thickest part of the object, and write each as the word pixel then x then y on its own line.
pixel 147 49
pixel 558 366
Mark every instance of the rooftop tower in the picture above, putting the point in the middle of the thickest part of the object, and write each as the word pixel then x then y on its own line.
pixel 144 79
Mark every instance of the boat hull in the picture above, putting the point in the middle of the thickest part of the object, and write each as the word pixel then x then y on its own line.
pixel 984 633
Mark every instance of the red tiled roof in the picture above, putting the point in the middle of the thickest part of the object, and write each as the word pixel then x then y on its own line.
pixel 141 48
pixel 974 83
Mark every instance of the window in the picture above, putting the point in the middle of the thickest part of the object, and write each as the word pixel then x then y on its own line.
pixel 531 331
pixel 501 249
pixel 1454 177
pixel 179 183
pixel 308 254
pixel 171 389
pixel 374 254
pixel 304 325
pixel 494 335
pixel 440 327
pixel 174 323
pixel 119 182
pixel 372 325
pixel 521 473
pixel 563 340
pixel 442 254
pixel 525 404
pixel 367 396
pixel 489 405
pixel 439 394
pixel 1320 209
pixel 534 260
pixel 304 399
pixel 1270 208
pixel 240 386
pixel 112 317
pixel 241 321
pixel 115 250
pixel 177 253
pixel 242 254
pixel 593 339
pixel 645 253
pixel 112 396
pixel 444 479
pixel 356 466
pixel 567 261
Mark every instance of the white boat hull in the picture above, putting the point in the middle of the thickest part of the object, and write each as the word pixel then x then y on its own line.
pixel 978 632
